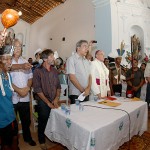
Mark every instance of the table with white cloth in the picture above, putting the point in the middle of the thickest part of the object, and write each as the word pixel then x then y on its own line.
pixel 95 128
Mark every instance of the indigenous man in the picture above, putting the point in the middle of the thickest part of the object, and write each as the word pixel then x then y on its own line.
pixel 117 74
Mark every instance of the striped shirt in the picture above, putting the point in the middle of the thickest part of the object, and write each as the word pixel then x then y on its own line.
pixel 46 81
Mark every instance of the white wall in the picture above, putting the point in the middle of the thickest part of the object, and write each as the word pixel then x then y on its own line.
pixel 73 20
pixel 23 28
pixel 103 25
pixel 130 17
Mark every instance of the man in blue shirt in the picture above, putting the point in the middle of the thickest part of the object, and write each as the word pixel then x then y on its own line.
pixel 8 123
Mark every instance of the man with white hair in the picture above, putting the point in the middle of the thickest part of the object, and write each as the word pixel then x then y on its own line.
pixel 100 76
pixel 22 79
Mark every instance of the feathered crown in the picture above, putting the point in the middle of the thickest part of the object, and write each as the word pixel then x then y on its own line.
pixel 6 50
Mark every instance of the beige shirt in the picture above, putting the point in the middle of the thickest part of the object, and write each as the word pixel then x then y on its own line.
pixel 147 70
pixel 80 67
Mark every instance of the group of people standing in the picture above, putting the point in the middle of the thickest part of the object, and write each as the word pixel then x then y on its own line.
pixel 16 79
pixel 100 77
pixel 84 76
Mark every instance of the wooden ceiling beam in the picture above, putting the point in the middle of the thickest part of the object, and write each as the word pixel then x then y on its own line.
pixel 33 3
pixel 32 10
pixel 29 20
pixel 61 1
pixel 18 4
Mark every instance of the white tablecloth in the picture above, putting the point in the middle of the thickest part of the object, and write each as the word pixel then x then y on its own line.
pixel 96 128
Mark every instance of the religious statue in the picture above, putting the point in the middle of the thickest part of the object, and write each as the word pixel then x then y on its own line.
pixel 136 47
pixel 122 45
pixel 8 40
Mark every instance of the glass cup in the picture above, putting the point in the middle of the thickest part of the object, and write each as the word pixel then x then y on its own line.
pixel 63 106
pixel 81 107
pixel 96 98
pixel 67 110
pixel 77 102
pixel 117 94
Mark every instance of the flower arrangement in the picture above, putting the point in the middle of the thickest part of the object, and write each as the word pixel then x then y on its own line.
pixel 128 57
pixel 146 59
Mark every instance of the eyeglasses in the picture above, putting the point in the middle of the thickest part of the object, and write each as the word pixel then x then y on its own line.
pixel 17 47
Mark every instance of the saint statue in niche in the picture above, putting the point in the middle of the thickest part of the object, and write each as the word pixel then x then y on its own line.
pixel 8 40
pixel 136 46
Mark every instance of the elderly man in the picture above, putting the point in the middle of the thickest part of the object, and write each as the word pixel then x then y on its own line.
pixel 78 70
pixel 47 86
pixel 100 76
pixel 22 79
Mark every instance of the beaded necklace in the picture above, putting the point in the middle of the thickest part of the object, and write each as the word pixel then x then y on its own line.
pixel 5 77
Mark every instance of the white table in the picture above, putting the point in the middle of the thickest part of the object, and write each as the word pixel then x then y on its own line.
pixel 96 128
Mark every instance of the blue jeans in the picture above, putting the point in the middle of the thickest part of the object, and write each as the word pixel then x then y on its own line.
pixel 43 115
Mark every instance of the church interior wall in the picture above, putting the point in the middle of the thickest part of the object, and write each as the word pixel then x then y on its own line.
pixel 109 22
pixel 130 17
pixel 62 27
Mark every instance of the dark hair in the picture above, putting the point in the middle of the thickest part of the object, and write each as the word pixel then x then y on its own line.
pixel 143 64
pixel 79 43
pixel 46 53
pixel 106 59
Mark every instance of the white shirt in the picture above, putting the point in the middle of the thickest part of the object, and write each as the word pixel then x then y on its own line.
pixel 20 79
pixel 147 70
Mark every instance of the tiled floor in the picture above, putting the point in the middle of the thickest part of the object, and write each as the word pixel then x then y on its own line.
pixel 25 146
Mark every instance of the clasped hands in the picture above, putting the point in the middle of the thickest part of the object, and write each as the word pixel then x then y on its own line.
pixel 53 104
pixel 22 92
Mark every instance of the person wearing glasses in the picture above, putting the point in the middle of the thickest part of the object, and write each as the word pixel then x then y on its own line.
pixel 22 79
pixel 78 70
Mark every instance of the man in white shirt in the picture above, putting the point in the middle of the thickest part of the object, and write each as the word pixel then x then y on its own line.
pixel 22 78
pixel 78 70
pixel 100 76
